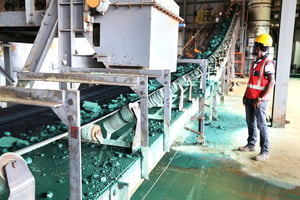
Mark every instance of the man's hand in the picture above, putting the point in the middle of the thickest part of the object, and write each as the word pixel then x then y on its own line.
pixel 257 102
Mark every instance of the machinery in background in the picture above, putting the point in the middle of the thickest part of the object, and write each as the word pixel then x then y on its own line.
pixel 123 54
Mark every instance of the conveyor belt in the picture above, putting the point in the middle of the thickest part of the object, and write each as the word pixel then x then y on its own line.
pixel 96 172
pixel 14 114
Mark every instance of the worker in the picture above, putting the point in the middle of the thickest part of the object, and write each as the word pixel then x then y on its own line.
pixel 209 12
pixel 258 92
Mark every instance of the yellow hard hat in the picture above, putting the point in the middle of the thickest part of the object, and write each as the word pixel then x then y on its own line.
pixel 93 3
pixel 264 39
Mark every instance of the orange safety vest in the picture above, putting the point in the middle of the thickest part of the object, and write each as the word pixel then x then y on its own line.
pixel 258 81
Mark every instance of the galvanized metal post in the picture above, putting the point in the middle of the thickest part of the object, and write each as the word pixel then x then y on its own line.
pixel 232 50
pixel 242 28
pixel 223 84
pixel 69 113
pixel 214 112
pixel 166 82
pixel 226 76
pixel 143 93
pixel 7 62
pixel 70 21
pixel 288 11
pixel 64 37
pixel 73 115
pixel 75 172
pixel 203 69
pixel 184 17
pixel 29 10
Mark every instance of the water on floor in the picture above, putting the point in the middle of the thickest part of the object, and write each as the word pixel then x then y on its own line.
pixel 207 176
pixel 192 172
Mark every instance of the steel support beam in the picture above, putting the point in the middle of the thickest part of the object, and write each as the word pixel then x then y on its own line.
pixel 137 81
pixel 39 97
pixel 9 79
pixel 7 63
pixel 242 27
pixel 90 78
pixel 288 13
pixel 184 17
pixel 125 72
pixel 142 90
pixel 203 69
pixel 203 66
pixel 166 82
pixel 69 113
pixel 29 11
pixel 66 104
pixel 43 40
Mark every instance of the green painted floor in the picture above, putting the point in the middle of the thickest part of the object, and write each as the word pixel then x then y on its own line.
pixel 194 172
pixel 207 176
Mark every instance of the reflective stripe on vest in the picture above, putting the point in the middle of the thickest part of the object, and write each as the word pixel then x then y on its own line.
pixel 257 87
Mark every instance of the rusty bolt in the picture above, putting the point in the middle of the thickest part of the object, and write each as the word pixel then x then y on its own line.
pixel 70 118
pixel 70 102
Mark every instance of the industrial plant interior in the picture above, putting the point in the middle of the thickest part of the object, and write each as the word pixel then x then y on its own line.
pixel 142 99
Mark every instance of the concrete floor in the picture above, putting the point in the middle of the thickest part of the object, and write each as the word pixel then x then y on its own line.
pixel 217 171
pixel 284 162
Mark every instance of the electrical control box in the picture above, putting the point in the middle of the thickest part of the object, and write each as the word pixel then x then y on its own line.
pixel 137 33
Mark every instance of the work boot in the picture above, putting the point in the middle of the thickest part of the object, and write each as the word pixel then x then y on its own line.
pixel 246 148
pixel 262 157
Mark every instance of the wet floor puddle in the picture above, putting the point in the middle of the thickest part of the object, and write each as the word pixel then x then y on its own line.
pixel 206 176
pixel 192 174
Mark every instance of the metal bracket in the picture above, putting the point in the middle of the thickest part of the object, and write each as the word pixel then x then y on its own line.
pixel 137 136
pixel 104 59
pixel 20 181
pixel 69 111
pixel 135 145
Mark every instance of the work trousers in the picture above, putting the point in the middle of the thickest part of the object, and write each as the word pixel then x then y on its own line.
pixel 256 118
